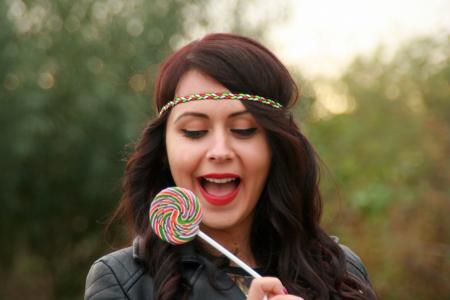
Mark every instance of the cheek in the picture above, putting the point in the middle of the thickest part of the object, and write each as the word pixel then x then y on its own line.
pixel 257 158
pixel 178 163
pixel 183 160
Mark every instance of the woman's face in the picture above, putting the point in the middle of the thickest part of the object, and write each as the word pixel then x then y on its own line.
pixel 219 151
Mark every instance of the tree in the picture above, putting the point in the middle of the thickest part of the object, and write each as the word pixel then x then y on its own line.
pixel 388 151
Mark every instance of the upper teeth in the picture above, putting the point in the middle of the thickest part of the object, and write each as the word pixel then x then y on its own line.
pixel 221 180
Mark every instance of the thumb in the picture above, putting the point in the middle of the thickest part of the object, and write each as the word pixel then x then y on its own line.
pixel 265 286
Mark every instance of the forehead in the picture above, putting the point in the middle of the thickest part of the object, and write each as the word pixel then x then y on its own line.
pixel 194 81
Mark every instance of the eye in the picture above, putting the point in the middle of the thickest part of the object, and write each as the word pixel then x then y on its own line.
pixel 247 132
pixel 194 134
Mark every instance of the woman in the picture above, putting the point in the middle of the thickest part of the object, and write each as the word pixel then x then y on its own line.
pixel 257 179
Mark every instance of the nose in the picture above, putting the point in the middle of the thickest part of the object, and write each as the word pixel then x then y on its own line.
pixel 220 149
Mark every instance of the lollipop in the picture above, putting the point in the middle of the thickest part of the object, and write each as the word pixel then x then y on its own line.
pixel 175 215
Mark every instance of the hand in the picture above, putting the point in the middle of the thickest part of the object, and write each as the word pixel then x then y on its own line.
pixel 270 287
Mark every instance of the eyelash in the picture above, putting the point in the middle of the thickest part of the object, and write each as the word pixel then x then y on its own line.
pixel 195 134
pixel 244 132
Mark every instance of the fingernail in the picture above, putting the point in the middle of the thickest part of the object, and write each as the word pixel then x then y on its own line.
pixel 285 291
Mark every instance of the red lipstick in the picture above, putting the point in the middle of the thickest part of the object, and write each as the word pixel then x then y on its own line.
pixel 219 200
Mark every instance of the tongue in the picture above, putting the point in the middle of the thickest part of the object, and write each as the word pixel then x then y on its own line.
pixel 219 189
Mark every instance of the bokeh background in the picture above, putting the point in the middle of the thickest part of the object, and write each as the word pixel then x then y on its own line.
pixel 75 89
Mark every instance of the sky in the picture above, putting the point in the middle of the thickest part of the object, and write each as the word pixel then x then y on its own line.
pixel 322 36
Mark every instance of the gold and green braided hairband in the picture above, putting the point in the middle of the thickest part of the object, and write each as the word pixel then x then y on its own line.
pixel 220 96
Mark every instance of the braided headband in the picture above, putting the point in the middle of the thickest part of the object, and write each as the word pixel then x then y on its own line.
pixel 219 96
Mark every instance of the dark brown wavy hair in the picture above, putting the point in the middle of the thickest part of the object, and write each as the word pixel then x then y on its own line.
pixel 286 238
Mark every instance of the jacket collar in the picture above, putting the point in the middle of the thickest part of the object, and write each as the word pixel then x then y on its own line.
pixel 188 254
pixel 195 272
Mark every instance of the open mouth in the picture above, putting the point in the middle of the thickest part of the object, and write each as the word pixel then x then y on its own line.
pixel 219 189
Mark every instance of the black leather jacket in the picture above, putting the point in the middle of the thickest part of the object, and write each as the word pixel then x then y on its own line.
pixel 123 275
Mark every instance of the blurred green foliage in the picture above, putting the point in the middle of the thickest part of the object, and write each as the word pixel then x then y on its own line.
pixel 387 176
pixel 75 80
pixel 74 77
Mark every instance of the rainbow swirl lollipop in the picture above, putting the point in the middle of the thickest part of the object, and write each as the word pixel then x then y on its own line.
pixel 175 215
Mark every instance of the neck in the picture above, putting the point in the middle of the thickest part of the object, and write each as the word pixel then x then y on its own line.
pixel 235 241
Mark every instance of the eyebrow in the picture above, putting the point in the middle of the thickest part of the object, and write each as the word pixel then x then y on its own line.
pixel 205 116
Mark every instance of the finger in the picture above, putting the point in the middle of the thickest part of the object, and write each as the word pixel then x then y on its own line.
pixel 286 297
pixel 265 285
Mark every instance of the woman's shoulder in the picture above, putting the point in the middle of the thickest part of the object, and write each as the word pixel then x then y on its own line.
pixel 116 275
pixel 355 266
